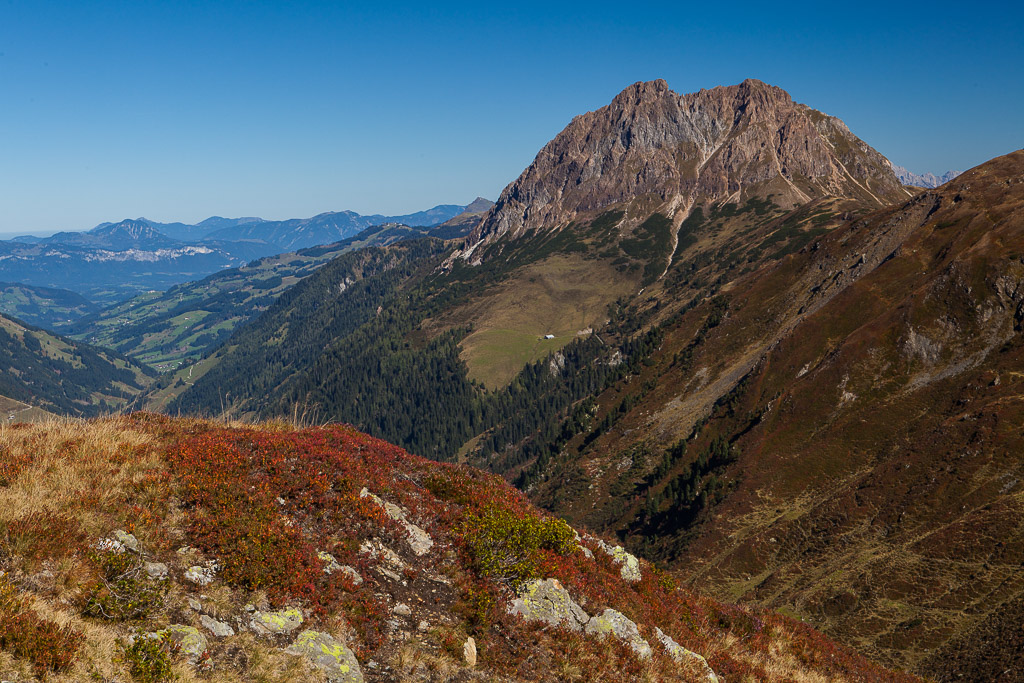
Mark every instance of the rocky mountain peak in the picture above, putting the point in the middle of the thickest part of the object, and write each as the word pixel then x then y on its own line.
pixel 726 144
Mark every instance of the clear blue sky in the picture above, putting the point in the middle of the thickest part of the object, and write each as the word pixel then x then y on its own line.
pixel 181 110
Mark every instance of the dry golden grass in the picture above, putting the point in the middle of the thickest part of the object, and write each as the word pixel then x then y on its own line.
pixel 85 469
pixel 91 471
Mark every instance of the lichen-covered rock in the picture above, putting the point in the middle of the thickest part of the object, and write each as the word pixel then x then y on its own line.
pixel 630 566
pixel 272 623
pixel 217 628
pixel 684 656
pixel 328 655
pixel 419 540
pixel 547 600
pixel 202 576
pixel 189 640
pixel 128 541
pixel 613 622
pixel 331 566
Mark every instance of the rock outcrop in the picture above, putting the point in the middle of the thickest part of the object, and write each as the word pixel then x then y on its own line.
pixel 272 623
pixel 613 622
pixel 630 565
pixel 337 662
pixel 419 540
pixel 724 144
pixel 547 600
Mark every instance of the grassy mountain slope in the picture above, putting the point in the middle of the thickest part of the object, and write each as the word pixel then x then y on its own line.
pixel 836 435
pixel 280 526
pixel 59 375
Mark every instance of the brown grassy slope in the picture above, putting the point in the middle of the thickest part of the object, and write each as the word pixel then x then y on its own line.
pixel 262 500
pixel 877 430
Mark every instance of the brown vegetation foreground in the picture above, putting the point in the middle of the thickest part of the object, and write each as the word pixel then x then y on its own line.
pixel 263 502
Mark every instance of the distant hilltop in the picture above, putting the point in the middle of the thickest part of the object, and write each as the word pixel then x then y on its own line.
pixel 928 180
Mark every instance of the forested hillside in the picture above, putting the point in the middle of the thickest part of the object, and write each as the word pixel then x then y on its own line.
pixel 59 375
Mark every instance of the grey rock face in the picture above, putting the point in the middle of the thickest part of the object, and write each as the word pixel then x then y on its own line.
pixel 419 540
pixel 547 600
pixel 157 570
pixel 328 655
pixel 630 565
pixel 613 622
pixel 683 656
pixel 272 623
pixel 217 628
pixel 714 144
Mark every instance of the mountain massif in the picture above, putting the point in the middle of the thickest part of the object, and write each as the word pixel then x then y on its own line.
pixel 655 148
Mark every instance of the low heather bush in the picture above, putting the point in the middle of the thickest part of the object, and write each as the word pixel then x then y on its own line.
pixel 48 646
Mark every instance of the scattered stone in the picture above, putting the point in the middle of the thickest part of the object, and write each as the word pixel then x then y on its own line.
pixel 249 607
pixel 419 540
pixel 622 627
pixel 189 640
pixel 546 600
pixel 185 550
pixel 328 655
pixel 469 652
pixel 201 576
pixel 195 605
pixel 217 628
pixel 630 570
pixel 110 545
pixel 376 549
pixel 331 563
pixel 157 571
pixel 683 656
pixel 269 623
pixel 402 609
pixel 423 626
pixel 582 548
pixel 352 574
pixel 390 574
pixel 128 541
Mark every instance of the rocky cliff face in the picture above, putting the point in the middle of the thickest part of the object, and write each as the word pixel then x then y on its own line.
pixel 727 144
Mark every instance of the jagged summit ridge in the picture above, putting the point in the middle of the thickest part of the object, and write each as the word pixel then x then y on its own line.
pixel 724 144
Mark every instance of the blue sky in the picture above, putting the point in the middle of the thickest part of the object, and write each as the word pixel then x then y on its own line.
pixel 179 111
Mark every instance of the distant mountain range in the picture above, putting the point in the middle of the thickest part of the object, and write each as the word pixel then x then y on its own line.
pixel 927 180
pixel 115 261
